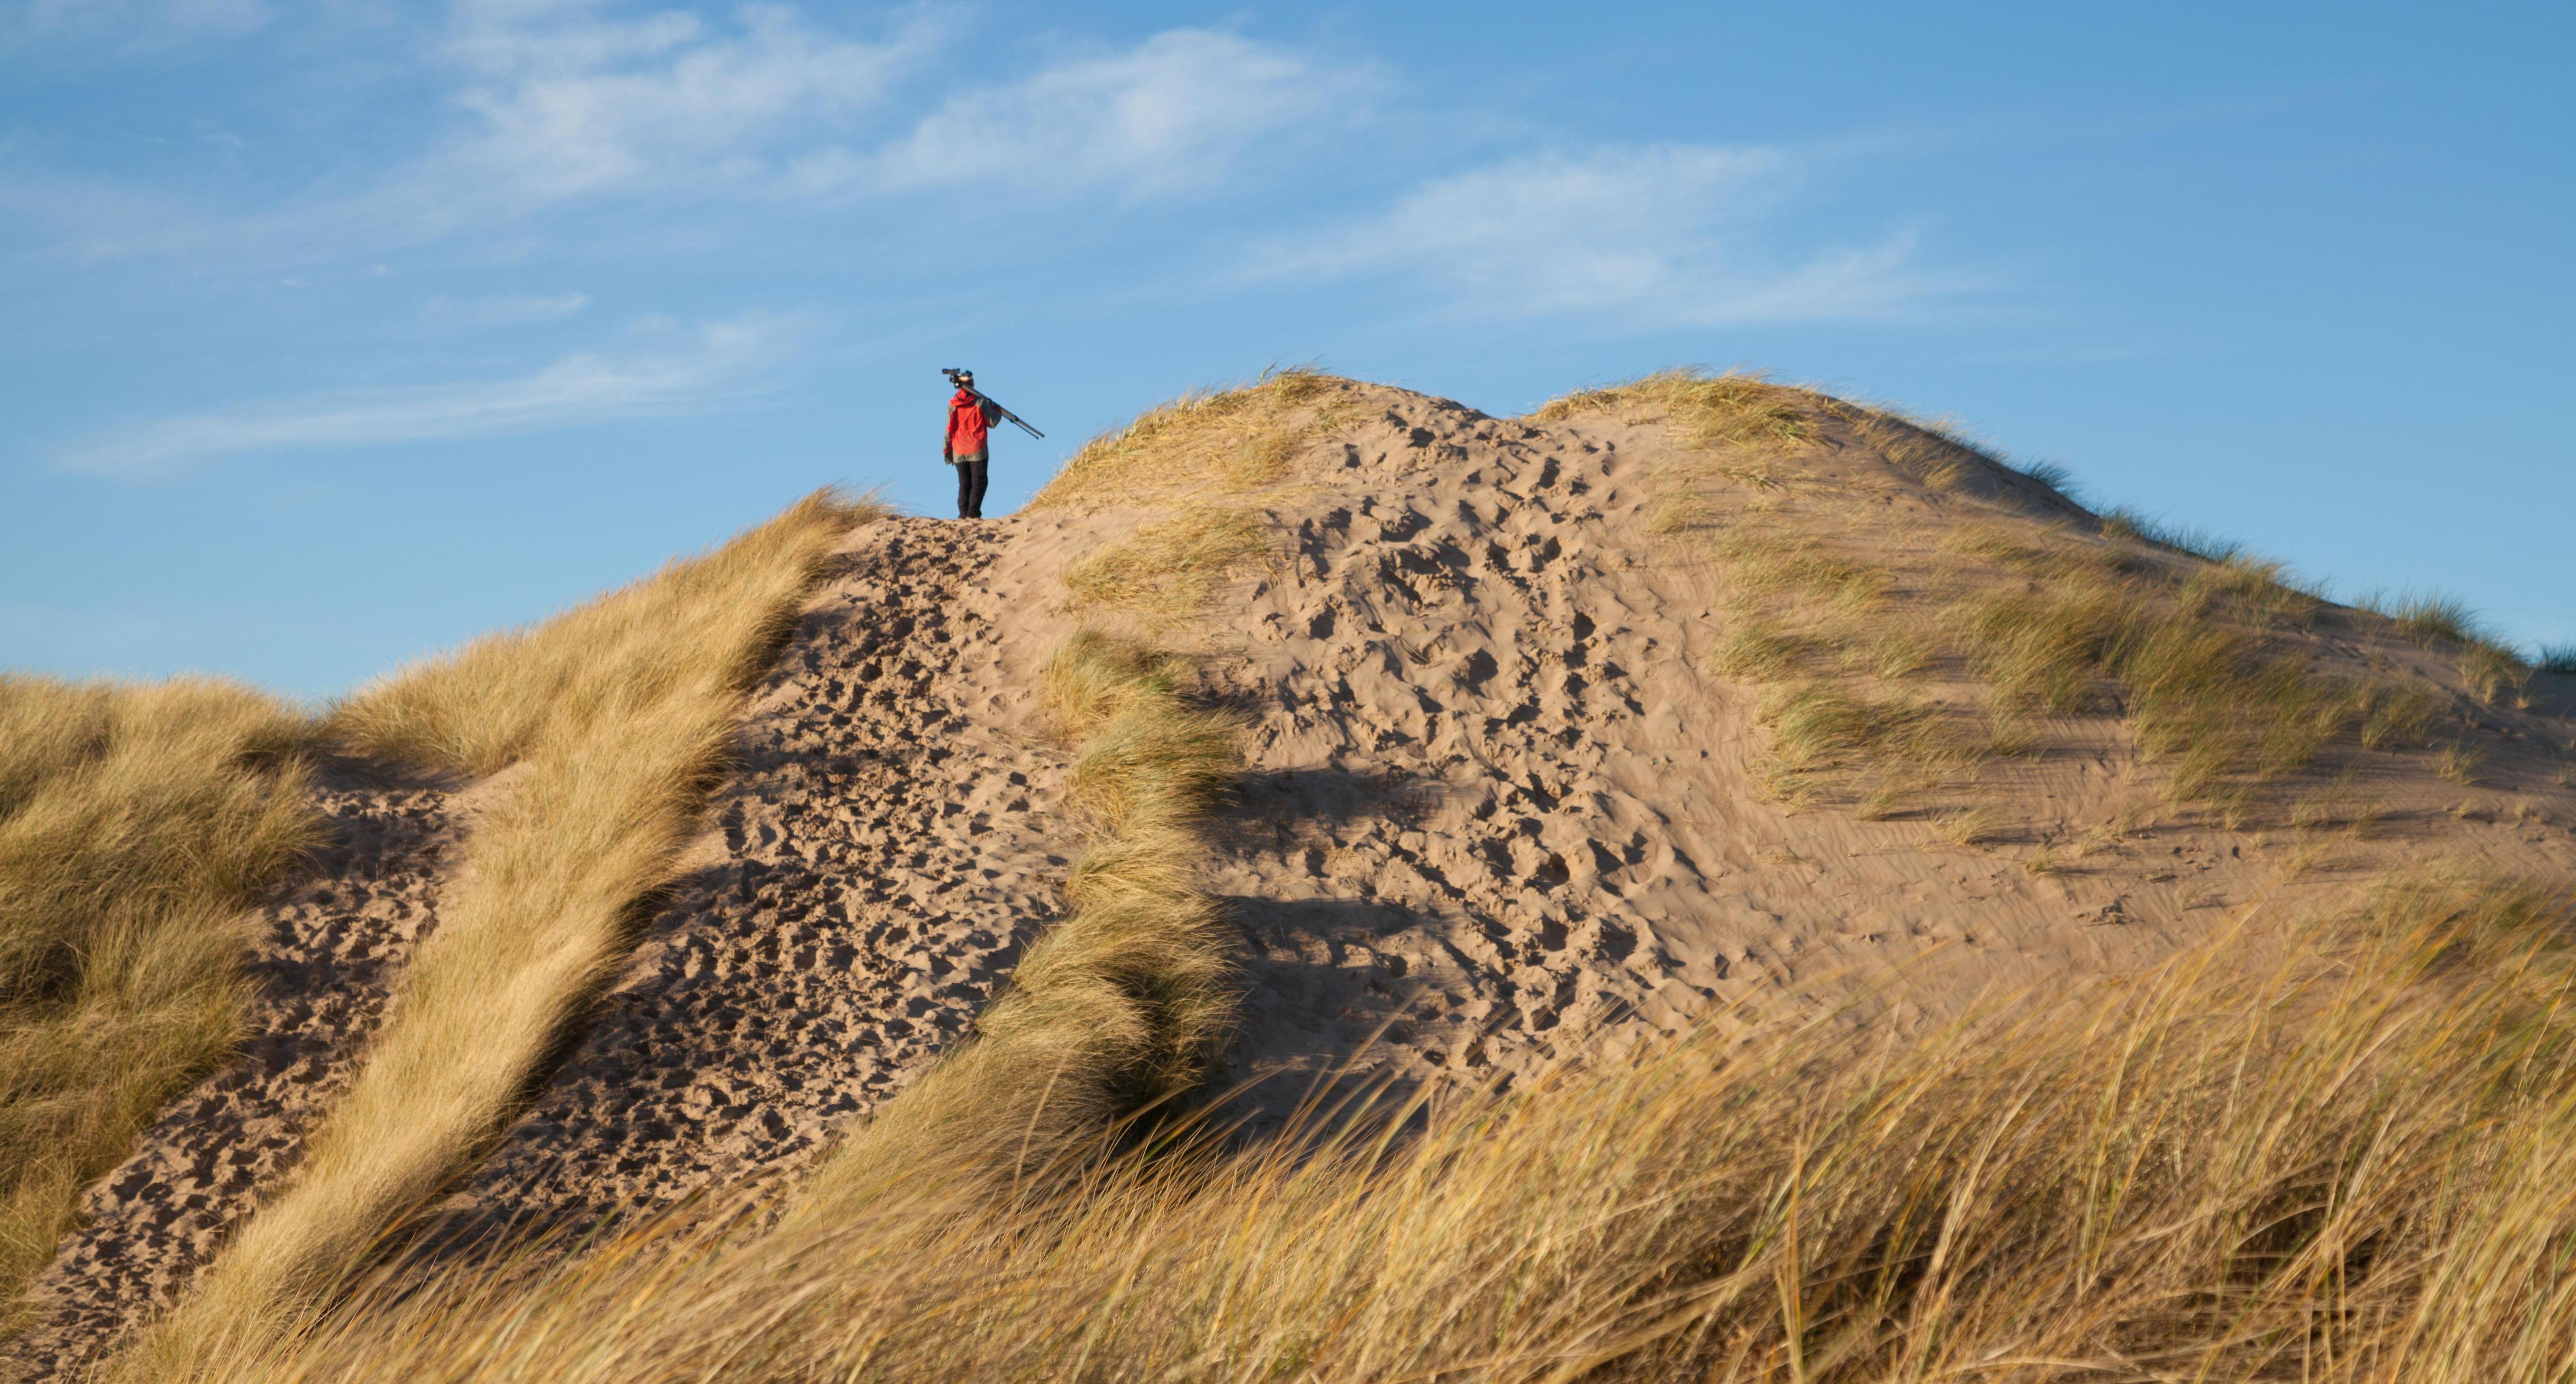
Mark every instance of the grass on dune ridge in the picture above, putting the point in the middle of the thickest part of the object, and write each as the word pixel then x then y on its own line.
pixel 2179 634
pixel 1242 438
pixel 2347 1164
pixel 491 703
pixel 614 716
pixel 137 826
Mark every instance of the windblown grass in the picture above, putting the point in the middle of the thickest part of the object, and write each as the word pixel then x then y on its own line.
pixel 616 716
pixel 137 826
pixel 693 625
pixel 2191 650
pixel 1705 409
pixel 1169 568
pixel 1121 1006
pixel 2141 528
pixel 2435 620
pixel 1244 437
pixel 2210 694
pixel 1815 725
pixel 2345 1163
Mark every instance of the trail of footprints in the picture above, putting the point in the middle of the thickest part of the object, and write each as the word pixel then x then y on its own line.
pixel 878 868
pixel 325 961
pixel 878 864
pixel 1498 719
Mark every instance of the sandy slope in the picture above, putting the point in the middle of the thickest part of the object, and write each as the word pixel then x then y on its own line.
pixel 885 850
pixel 325 964
pixel 1499 814
pixel 1503 813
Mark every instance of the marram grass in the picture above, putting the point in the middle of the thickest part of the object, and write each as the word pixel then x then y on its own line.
pixel 2341 1152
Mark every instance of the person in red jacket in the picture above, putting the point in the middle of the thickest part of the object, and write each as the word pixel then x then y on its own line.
pixel 971 417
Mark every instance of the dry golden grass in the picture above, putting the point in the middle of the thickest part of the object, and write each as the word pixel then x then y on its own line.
pixel 2460 762
pixel 2069 624
pixel 1169 568
pixel 1244 438
pixel 2492 671
pixel 494 701
pixel 1121 1006
pixel 2226 708
pixel 2050 610
pixel 137 826
pixel 1816 724
pixel 1762 564
pixel 1704 409
pixel 2245 586
pixel 2346 1163
pixel 1968 826
pixel 2434 620
pixel 617 715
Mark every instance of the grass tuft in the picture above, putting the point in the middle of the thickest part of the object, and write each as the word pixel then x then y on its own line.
pixel 2251 587
pixel 2558 659
pixel 2130 524
pixel 138 824
pixel 1245 437
pixel 2491 670
pixel 2435 620
pixel 2460 762
pixel 2049 473
pixel 1170 568
pixel 2213 696
pixel 1704 409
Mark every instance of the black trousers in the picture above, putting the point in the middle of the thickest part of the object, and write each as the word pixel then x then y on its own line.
pixel 970 484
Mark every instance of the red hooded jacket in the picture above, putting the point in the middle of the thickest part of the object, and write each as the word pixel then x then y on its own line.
pixel 966 426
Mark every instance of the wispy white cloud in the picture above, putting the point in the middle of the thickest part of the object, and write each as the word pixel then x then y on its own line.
pixel 560 100
pixel 1172 114
pixel 571 98
pixel 500 310
pixel 1643 237
pixel 718 363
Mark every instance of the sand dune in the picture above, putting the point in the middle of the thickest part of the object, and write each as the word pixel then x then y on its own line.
pixel 1501 811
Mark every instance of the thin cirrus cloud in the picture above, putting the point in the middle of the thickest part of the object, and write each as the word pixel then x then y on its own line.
pixel 571 102
pixel 1171 115
pixel 560 102
pixel 501 309
pixel 565 102
pixel 719 363
pixel 1663 236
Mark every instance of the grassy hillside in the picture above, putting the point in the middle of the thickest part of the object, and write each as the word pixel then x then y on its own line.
pixel 137 824
pixel 611 718
pixel 2032 606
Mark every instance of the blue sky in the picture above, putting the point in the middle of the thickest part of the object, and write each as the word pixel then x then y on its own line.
pixel 336 333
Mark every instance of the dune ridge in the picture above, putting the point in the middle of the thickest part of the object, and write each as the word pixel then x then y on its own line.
pixel 1577 794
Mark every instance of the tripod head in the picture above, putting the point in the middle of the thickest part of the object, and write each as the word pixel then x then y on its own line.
pixel 965 379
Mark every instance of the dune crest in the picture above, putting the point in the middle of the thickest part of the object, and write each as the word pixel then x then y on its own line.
pixel 1686 705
